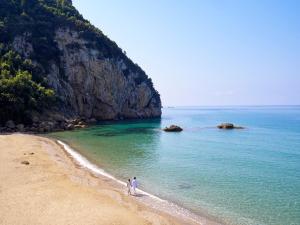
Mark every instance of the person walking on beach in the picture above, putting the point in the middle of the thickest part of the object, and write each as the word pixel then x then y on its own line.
pixel 128 184
pixel 134 185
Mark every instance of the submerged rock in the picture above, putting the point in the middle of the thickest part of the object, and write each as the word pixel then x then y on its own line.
pixel 173 128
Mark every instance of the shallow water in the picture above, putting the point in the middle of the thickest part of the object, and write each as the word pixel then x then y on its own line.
pixel 249 176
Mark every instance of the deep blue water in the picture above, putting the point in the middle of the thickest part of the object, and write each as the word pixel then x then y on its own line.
pixel 249 176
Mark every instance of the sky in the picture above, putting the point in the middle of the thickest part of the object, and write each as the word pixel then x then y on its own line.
pixel 213 52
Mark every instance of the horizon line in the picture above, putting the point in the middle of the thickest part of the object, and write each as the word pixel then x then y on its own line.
pixel 271 105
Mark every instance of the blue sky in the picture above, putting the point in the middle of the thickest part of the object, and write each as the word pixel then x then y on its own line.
pixel 213 52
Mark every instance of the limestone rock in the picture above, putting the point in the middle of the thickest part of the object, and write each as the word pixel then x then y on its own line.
pixel 35 119
pixel 173 128
pixel 81 123
pixel 80 126
pixel 20 127
pixel 91 76
pixel 92 121
pixel 98 88
pixel 10 124
pixel 228 126
pixel 95 87
pixel 70 127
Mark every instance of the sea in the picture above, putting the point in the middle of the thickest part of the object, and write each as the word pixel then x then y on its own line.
pixel 247 176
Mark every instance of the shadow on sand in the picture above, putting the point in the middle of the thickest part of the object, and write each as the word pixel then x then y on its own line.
pixel 139 195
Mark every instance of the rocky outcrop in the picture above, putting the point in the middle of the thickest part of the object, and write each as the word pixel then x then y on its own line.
pixel 20 127
pixel 46 125
pixel 173 128
pixel 62 54
pixel 93 87
pixel 228 126
pixel 10 124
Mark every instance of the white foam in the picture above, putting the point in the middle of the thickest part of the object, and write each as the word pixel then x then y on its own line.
pixel 85 163
pixel 162 204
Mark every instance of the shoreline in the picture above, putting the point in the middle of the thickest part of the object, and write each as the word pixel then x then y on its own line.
pixel 86 164
pixel 40 183
pixel 160 204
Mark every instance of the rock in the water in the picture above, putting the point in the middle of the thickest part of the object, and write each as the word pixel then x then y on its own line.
pixel 228 126
pixel 80 126
pixel 173 128
pixel 10 124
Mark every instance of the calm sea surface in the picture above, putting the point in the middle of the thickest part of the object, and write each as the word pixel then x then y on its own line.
pixel 249 176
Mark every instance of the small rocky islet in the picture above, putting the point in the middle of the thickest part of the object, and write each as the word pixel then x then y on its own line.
pixel 225 126
pixel 173 128
pixel 228 126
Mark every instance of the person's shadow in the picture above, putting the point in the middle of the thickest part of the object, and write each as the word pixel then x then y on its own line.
pixel 139 195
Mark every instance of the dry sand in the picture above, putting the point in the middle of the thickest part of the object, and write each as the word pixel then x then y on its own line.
pixel 52 189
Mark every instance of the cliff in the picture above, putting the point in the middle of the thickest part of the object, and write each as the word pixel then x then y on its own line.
pixel 89 74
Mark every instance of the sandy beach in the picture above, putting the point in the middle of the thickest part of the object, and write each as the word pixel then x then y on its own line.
pixel 53 189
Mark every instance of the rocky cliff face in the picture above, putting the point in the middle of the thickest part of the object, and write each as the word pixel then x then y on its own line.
pixel 55 48
pixel 97 87
pixel 90 86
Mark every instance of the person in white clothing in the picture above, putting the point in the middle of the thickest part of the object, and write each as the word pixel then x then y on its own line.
pixel 128 184
pixel 134 185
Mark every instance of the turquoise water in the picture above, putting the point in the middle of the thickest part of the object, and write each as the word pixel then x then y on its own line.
pixel 249 176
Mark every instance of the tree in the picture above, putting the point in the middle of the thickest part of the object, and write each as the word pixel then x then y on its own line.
pixel 19 94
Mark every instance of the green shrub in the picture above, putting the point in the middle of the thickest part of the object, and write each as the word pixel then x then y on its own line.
pixel 19 93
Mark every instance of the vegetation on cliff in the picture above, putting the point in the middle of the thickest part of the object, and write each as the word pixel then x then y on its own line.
pixel 23 84
pixel 42 18
pixel 20 94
